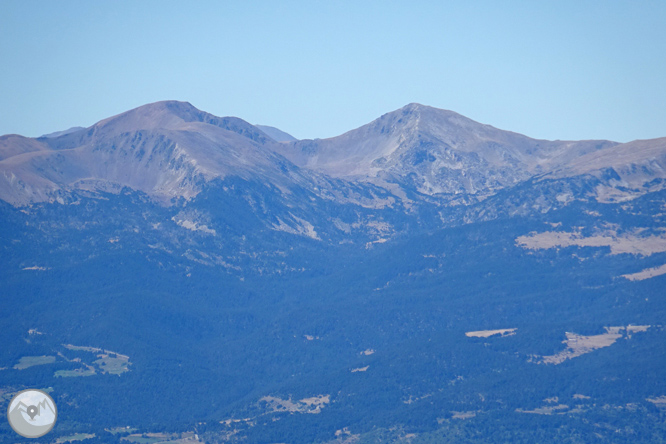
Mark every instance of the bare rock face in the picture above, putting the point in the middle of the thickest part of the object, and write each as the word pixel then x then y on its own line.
pixel 626 171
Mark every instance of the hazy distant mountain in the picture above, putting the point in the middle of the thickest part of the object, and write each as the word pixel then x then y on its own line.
pixel 276 134
pixel 62 133
pixel 12 145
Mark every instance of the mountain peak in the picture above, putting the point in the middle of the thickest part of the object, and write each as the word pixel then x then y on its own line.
pixel 435 151
pixel 174 115
pixel 181 109
pixel 413 107
pixel 162 114
pixel 420 108
pixel 418 116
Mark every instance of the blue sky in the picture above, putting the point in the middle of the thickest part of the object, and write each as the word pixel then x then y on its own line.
pixel 547 69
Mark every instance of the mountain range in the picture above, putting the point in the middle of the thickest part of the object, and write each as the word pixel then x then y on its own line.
pixel 170 149
pixel 423 278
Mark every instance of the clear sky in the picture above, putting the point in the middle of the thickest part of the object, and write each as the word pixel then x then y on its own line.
pixel 548 69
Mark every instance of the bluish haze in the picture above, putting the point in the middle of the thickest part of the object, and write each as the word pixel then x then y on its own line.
pixel 556 70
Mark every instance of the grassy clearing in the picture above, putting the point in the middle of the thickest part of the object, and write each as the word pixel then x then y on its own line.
pixel 30 361
pixel 75 437
pixel 74 373
pixel 113 365
pixel 108 362
pixel 147 438
pixel 116 430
